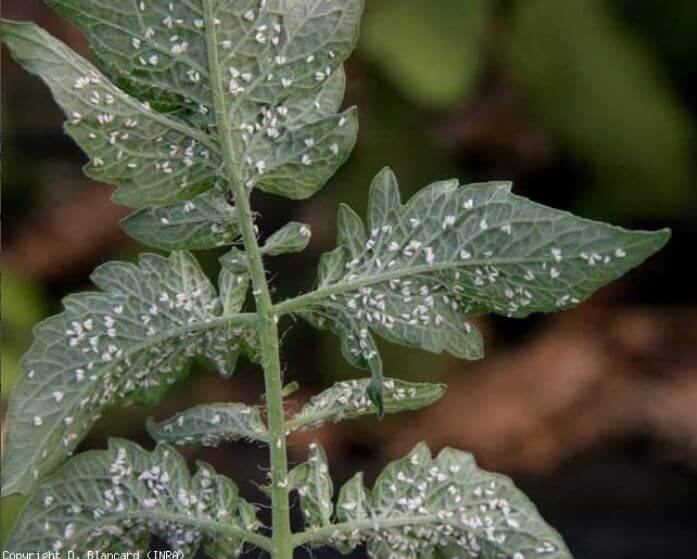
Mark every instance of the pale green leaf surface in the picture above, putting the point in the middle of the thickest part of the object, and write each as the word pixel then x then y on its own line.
pixel 307 157
pixel 155 48
pixel 262 78
pixel 347 400
pixel 206 221
pixel 274 62
pixel 292 237
pixel 235 261
pixel 357 345
pixel 152 157
pixel 112 500
pixel 314 485
pixel 421 505
pixel 126 343
pixel 277 76
pixel 417 270
pixel 353 505
pixel 210 425
pixel 233 290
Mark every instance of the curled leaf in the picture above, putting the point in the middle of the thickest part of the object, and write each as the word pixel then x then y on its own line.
pixel 314 485
pixel 292 237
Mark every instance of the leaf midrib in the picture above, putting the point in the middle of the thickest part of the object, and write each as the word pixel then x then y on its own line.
pixel 131 101
pixel 296 304
pixel 209 526
pixel 203 326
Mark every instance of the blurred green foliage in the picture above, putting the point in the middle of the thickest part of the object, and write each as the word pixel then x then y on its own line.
pixel 23 305
pixel 10 507
pixel 594 85
pixel 670 27
pixel 598 91
pixel 432 50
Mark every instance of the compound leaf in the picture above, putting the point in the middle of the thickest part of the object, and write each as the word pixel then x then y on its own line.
pixel 126 343
pixel 422 506
pixel 177 81
pixel 419 269
pixel 206 221
pixel 210 425
pixel 314 485
pixel 270 63
pixel 292 237
pixel 347 400
pixel 114 499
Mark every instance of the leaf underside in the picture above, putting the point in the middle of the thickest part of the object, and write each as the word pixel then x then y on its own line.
pixel 172 84
pixel 314 485
pixel 416 271
pixel 210 425
pixel 186 101
pixel 126 343
pixel 292 237
pixel 176 80
pixel 347 400
pixel 421 506
pixel 114 499
pixel 204 222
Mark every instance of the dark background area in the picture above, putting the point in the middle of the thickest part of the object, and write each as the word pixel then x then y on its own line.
pixel 587 105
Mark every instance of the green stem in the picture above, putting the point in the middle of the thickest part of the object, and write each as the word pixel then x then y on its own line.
pixel 268 340
pixel 281 541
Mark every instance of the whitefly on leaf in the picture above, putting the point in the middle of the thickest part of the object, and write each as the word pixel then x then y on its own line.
pixel 235 261
pixel 125 343
pixel 114 499
pixel 313 483
pixel 204 222
pixel 233 288
pixel 421 506
pixel 153 158
pixel 210 425
pixel 265 74
pixel 348 400
pixel 415 272
pixel 292 237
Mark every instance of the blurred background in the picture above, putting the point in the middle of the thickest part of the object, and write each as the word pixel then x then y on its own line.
pixel 588 105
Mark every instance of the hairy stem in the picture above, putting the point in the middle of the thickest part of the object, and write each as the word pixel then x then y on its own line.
pixel 268 339
pixel 281 541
